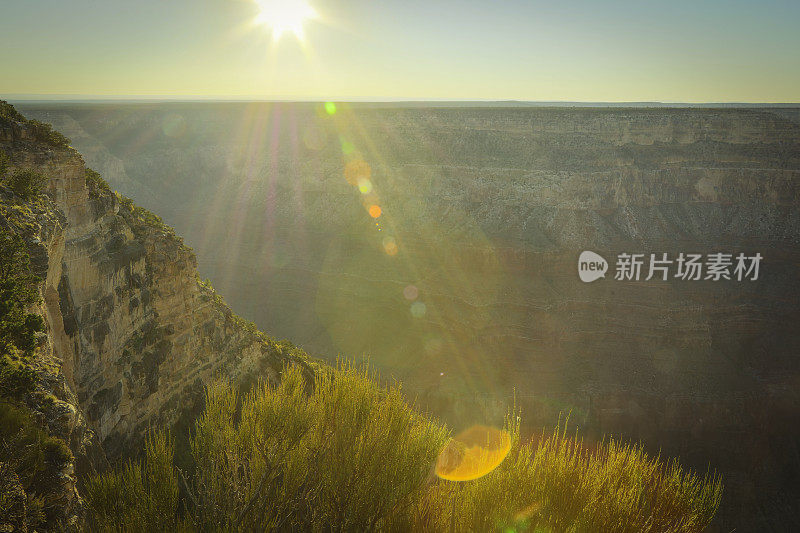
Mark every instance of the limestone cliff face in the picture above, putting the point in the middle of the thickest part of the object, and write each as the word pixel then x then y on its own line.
pixel 131 333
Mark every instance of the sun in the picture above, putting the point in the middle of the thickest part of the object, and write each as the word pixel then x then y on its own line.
pixel 284 16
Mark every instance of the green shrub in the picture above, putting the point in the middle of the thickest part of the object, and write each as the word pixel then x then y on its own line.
pixel 18 290
pixel 389 450
pixel 142 496
pixel 17 282
pixel 95 182
pixel 142 221
pixel 41 130
pixel 21 442
pixel 26 183
pixel 8 112
pixel 351 455
pixel 35 515
pixel 17 377
pixel 56 451
pixel 45 133
pixel 13 501
pixel 28 449
pixel 558 484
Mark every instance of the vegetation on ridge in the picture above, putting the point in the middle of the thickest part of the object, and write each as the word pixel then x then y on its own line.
pixel 351 455
pixel 142 220
pixel 29 457
pixel 18 328
pixel 41 130
pixel 95 182
pixel 26 183
pixel 32 462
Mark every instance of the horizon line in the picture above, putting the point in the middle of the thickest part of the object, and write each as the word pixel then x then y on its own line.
pixel 87 98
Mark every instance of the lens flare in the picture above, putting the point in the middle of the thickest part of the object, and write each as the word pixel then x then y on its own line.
pixel 356 171
pixel 473 453
pixel 411 292
pixel 330 108
pixel 174 125
pixel 375 211
pixel 364 186
pixel 347 147
pixel 389 245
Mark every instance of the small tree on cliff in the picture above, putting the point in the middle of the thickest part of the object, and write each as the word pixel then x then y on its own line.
pixel 26 183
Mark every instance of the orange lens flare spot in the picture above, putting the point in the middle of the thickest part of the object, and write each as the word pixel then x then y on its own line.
pixel 375 211
pixel 356 171
pixel 390 246
pixel 473 453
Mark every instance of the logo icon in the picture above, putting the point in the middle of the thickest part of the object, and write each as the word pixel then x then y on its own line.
pixel 591 266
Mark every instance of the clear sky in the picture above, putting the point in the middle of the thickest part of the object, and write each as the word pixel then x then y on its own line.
pixel 670 51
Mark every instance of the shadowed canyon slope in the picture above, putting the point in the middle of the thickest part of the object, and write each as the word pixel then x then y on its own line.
pixel 466 286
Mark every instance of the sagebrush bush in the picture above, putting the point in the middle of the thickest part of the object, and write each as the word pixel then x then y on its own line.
pixel 30 452
pixel 558 484
pixel 346 454
pixel 349 456
pixel 141 496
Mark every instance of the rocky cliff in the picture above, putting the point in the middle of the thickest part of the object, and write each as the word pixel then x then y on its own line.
pixel 131 332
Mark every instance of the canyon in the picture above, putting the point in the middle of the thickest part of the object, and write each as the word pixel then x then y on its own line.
pixel 465 287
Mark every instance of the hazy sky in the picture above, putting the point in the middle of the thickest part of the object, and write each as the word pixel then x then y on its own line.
pixel 688 51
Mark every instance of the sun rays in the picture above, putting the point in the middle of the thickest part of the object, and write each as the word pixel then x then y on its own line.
pixel 284 17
